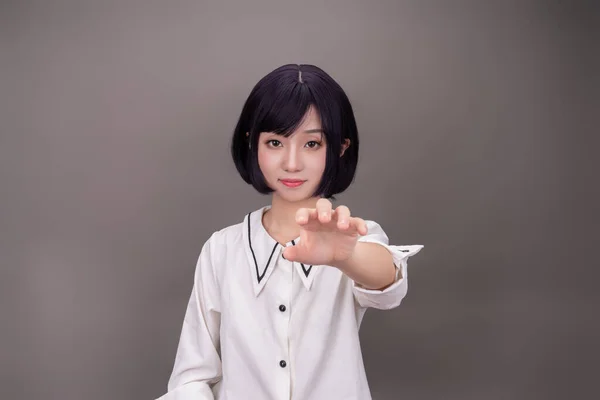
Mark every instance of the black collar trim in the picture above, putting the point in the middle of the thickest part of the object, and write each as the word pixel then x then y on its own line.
pixel 259 276
pixel 306 271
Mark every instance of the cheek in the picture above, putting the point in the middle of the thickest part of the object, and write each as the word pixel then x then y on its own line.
pixel 318 161
pixel 266 161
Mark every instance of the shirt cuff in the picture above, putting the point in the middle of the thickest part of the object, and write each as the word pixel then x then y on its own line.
pixel 392 295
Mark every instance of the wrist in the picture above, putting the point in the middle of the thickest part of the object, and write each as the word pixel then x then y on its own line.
pixel 346 263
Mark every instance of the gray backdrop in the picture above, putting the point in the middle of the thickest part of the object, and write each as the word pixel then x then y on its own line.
pixel 476 128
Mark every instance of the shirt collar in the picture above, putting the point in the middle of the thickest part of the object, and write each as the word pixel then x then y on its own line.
pixel 263 251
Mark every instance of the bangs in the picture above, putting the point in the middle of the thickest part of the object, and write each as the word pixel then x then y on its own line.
pixel 283 110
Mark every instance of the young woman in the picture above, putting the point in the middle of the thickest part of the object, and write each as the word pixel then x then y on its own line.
pixel 278 299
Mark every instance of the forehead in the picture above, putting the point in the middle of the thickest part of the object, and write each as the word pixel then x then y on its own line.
pixel 311 120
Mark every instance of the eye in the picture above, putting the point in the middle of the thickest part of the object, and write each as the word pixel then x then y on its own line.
pixel 274 143
pixel 313 144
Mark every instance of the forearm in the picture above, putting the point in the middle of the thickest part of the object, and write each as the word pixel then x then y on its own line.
pixel 371 266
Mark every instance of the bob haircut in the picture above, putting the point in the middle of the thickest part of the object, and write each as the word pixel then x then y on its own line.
pixel 278 104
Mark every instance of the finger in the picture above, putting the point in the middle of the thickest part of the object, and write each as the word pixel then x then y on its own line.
pixel 289 253
pixel 313 216
pixel 294 253
pixel 343 217
pixel 302 216
pixel 324 210
pixel 360 225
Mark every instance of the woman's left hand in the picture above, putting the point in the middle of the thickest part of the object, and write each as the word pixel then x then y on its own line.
pixel 327 236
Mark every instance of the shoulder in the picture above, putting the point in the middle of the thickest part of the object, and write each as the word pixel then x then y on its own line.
pixel 231 235
pixel 213 255
pixel 375 232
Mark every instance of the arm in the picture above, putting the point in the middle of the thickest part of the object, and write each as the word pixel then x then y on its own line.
pixel 197 362
pixel 358 248
pixel 370 265
pixel 373 260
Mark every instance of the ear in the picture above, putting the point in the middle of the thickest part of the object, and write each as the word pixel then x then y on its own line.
pixel 345 146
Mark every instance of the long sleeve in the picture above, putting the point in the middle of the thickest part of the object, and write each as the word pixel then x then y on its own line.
pixel 391 296
pixel 197 365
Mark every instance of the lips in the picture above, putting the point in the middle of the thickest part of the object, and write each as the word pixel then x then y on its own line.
pixel 292 182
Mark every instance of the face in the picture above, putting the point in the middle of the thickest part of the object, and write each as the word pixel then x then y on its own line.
pixel 293 166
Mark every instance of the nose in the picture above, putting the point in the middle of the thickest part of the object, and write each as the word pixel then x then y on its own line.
pixel 292 161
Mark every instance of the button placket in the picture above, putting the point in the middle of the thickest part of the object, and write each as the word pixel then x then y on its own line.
pixel 282 318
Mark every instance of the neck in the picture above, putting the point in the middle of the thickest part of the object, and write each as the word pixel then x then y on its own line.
pixel 280 219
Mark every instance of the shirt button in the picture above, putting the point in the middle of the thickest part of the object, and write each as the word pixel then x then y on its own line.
pixel 282 308
pixel 282 364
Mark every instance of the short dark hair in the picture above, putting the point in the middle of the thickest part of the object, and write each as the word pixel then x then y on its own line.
pixel 277 104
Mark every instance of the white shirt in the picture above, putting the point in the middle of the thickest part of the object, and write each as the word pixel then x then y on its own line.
pixel 258 326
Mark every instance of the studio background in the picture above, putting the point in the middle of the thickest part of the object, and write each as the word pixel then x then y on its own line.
pixel 475 119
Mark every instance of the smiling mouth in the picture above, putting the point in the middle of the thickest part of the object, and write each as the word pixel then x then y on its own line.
pixel 292 182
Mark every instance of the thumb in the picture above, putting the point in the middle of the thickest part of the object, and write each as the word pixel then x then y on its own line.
pixel 292 253
pixel 289 253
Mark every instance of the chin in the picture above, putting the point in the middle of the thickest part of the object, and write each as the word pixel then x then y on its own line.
pixel 293 197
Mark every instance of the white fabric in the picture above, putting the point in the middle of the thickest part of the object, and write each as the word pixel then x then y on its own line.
pixel 235 335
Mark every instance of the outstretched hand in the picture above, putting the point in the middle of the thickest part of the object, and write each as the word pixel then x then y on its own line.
pixel 327 236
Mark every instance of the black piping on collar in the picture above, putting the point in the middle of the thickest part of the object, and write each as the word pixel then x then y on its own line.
pixel 259 276
pixel 306 271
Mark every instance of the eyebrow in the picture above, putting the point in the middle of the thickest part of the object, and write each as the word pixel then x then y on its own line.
pixel 318 130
